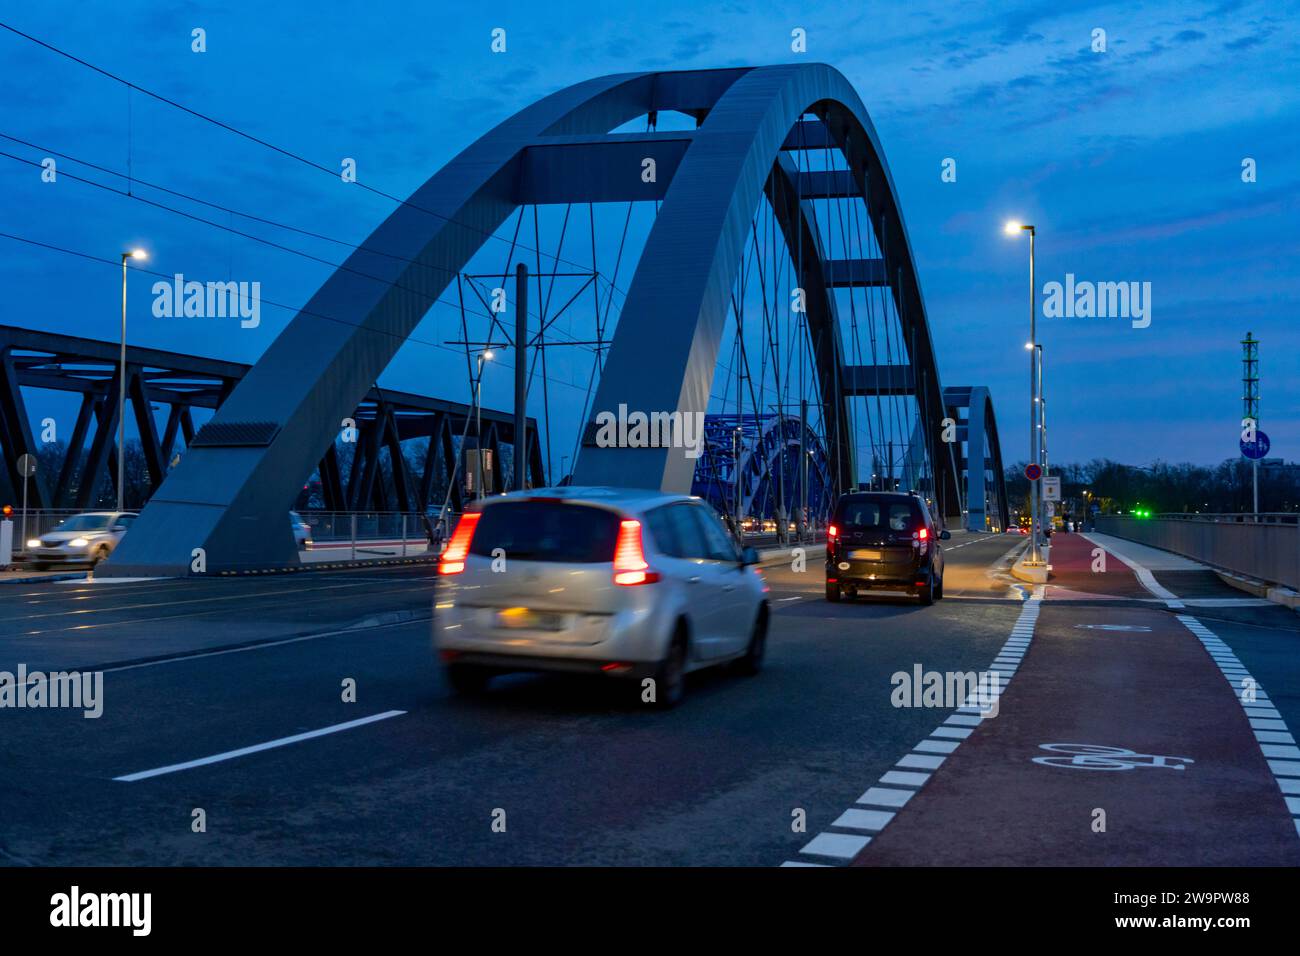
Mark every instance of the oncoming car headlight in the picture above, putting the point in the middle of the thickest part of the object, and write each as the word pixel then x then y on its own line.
pixel 34 543
pixel 78 542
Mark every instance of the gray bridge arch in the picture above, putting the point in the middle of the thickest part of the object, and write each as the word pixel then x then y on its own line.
pixel 229 494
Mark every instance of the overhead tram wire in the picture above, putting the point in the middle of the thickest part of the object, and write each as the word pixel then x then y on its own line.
pixel 487 234
pixel 128 194
pixel 116 263
pixel 245 235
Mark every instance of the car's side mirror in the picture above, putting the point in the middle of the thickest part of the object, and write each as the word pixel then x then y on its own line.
pixel 119 527
pixel 945 534
pixel 748 557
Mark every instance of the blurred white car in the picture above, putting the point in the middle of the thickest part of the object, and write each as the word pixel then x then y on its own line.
pixel 602 581
pixel 81 539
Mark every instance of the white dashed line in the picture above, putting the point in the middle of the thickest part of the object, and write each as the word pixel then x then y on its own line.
pixel 927 755
pixel 1272 736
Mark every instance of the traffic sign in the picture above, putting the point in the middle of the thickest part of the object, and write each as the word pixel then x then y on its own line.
pixel 1033 472
pixel 26 465
pixel 1258 448
pixel 1052 489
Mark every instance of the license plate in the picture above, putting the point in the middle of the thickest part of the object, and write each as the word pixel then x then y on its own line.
pixel 525 618
pixel 864 555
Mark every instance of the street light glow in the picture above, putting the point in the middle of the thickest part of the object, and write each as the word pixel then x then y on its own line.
pixel 488 356
pixel 1013 227
pixel 138 254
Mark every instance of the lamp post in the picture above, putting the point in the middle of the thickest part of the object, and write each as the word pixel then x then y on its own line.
pixel 484 356
pixel 1014 228
pixel 138 254
pixel 1042 432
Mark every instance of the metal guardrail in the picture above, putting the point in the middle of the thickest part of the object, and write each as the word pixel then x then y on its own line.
pixel 1267 549
pixel 1269 517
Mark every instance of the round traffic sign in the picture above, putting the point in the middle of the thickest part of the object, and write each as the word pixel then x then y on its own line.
pixel 26 465
pixel 1257 448
pixel 1033 472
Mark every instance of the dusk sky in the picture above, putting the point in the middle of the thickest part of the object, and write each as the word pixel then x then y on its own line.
pixel 1128 161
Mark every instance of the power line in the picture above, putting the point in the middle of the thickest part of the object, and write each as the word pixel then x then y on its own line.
pixel 278 305
pixel 266 144
pixel 216 225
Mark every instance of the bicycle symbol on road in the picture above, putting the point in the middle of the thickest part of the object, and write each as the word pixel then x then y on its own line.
pixel 1097 757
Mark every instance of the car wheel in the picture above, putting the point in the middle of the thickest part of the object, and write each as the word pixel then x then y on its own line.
pixel 468 679
pixel 752 662
pixel 100 554
pixel 670 675
pixel 926 593
pixel 833 592
pixel 938 591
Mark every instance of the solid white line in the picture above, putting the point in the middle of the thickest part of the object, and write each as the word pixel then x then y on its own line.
pixel 256 748
pixel 1145 577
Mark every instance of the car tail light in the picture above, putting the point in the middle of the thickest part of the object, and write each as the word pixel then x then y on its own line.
pixel 922 534
pixel 832 531
pixel 630 565
pixel 453 558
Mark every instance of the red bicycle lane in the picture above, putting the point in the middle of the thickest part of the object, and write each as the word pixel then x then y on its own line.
pixel 1183 781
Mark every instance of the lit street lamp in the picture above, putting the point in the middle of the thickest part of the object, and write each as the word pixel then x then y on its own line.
pixel 1014 228
pixel 138 254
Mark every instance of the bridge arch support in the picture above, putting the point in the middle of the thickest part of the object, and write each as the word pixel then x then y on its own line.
pixel 244 468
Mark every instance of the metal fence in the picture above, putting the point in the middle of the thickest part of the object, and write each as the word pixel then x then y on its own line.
pixel 1265 547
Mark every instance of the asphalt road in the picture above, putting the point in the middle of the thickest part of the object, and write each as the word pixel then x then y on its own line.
pixel 579 772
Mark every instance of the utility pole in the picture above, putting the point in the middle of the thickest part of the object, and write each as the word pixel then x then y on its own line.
pixel 521 380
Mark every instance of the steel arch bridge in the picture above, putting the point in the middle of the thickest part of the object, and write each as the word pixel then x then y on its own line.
pixel 751 466
pixel 753 128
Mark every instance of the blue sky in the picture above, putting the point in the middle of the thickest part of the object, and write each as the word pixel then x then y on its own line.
pixel 1128 161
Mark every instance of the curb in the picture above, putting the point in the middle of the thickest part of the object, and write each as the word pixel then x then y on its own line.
pixel 774 556
pixel 1273 592
pixel 37 579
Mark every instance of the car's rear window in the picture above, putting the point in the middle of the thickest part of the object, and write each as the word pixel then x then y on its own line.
pixel 547 531
pixel 879 515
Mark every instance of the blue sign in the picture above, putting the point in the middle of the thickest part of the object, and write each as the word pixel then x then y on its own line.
pixel 1256 449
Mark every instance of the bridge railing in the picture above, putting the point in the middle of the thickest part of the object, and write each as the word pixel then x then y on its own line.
pixel 1265 547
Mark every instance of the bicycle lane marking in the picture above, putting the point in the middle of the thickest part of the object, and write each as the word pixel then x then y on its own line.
pixel 854 829
pixel 1157 703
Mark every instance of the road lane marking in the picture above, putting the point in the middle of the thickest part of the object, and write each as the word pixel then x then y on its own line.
pixel 258 748
pixel 1144 576
pixel 928 755
pixel 1275 742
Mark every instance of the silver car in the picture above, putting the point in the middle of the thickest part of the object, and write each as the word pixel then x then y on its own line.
pixel 602 581
pixel 81 539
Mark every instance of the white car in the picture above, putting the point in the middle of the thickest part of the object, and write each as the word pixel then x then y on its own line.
pixel 603 581
pixel 81 539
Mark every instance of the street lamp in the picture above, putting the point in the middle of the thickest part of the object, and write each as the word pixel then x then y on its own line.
pixel 1014 228
pixel 484 356
pixel 139 255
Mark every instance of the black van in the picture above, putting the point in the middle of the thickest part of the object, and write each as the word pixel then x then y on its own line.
pixel 886 541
